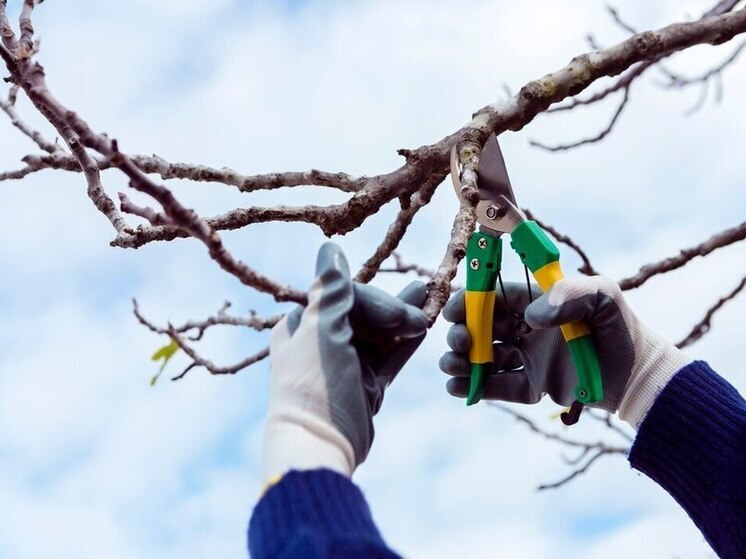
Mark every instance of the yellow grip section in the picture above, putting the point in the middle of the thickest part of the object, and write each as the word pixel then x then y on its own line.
pixel 547 276
pixel 480 306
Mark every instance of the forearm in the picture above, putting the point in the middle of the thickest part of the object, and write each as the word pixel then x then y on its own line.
pixel 693 443
pixel 314 514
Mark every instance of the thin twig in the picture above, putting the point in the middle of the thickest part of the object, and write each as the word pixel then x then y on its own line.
pixel 575 473
pixel 606 418
pixel 704 325
pixel 154 217
pixel 396 231
pixel 719 240
pixel 253 321
pixel 8 107
pixel 402 267
pixel 598 449
pixel 619 21
pixel 593 139
pixel 587 268
pixel 199 361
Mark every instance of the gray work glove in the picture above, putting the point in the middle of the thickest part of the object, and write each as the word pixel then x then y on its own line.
pixel 330 364
pixel 636 363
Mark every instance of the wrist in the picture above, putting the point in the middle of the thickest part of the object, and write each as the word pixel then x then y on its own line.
pixel 309 444
pixel 655 366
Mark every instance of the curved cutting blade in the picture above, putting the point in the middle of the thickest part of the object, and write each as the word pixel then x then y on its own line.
pixel 492 173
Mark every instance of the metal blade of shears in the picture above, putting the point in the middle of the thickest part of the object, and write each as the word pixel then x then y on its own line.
pixel 492 173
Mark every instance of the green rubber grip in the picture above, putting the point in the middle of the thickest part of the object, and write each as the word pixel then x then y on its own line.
pixel 583 352
pixel 483 259
pixel 477 382
pixel 540 255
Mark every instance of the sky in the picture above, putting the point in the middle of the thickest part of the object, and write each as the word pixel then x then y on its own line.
pixel 96 463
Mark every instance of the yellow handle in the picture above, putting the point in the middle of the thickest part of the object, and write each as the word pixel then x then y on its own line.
pixel 547 276
pixel 480 307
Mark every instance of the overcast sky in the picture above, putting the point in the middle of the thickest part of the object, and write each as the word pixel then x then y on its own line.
pixel 96 463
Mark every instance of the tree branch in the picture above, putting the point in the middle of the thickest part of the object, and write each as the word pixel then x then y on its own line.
pixel 719 240
pixel 198 361
pixel 154 164
pixel 593 139
pixel 704 325
pixel 598 449
pixel 8 107
pixel 439 288
pixel 587 268
pixel 396 231
pixel 30 77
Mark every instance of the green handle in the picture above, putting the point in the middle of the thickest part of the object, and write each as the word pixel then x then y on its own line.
pixel 483 258
pixel 541 256
pixel 589 388
pixel 477 382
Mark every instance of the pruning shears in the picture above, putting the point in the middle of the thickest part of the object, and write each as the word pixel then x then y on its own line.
pixel 498 214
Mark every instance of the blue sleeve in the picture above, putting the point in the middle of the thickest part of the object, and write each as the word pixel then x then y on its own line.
pixel 312 515
pixel 693 444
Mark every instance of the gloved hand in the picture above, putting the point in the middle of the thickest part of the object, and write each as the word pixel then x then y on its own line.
pixel 330 364
pixel 636 363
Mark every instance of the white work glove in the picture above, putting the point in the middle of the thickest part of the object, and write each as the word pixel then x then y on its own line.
pixel 636 363
pixel 328 378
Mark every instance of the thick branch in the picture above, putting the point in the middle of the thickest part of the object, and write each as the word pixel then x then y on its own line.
pixel 431 162
pixel 153 164
pixel 439 288
pixel 719 240
pixel 631 75
pixel 186 218
pixel 26 40
pixel 30 76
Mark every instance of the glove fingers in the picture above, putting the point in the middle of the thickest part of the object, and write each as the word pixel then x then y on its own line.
pixel 509 310
pixel 293 319
pixel 572 300
pixel 504 322
pixel 454 364
pixel 458 338
pixel 455 309
pixel 331 257
pixel 506 357
pixel 387 315
pixel 414 294
pixel 397 357
pixel 510 389
pixel 511 386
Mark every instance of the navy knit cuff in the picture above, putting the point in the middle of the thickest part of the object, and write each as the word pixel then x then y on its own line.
pixel 314 513
pixel 693 444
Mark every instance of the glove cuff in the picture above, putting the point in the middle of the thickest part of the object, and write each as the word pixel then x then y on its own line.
pixel 308 444
pixel 657 363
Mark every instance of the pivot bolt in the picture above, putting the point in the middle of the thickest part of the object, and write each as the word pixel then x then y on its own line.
pixel 495 212
pixel 474 264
